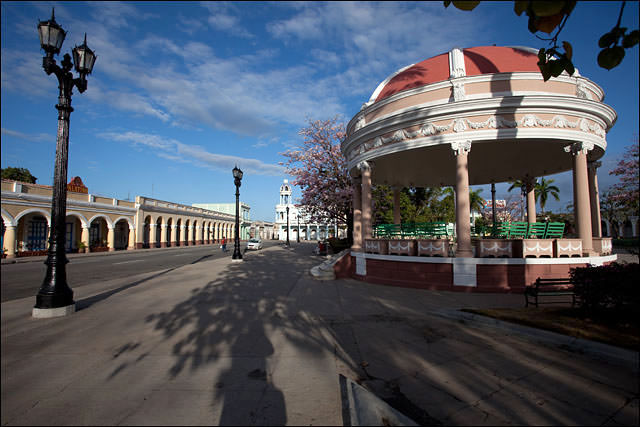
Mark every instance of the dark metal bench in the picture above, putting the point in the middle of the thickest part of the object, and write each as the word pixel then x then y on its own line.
pixel 549 287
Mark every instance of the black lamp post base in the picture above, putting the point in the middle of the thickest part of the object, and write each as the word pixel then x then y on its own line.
pixel 62 298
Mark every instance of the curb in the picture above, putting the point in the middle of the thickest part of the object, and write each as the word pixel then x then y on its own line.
pixel 605 352
pixel 325 271
pixel 360 407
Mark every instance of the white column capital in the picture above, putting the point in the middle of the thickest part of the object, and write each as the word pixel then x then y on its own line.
pixel 579 147
pixel 461 147
pixel 365 166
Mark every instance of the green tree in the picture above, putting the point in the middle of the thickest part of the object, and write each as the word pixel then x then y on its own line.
pixel 417 204
pixel 550 16
pixel 518 183
pixel 543 189
pixel 18 174
pixel 476 202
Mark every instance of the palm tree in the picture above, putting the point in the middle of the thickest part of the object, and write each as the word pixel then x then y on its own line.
pixel 476 202
pixel 518 183
pixel 543 190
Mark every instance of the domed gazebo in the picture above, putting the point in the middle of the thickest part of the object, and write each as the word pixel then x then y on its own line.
pixel 478 116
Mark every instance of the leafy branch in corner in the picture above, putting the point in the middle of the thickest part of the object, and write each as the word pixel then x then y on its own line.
pixel 550 16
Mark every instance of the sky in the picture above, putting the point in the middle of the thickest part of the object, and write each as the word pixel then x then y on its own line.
pixel 182 92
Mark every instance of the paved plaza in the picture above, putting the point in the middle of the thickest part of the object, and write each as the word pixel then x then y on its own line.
pixel 263 343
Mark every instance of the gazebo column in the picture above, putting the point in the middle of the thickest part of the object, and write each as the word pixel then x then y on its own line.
pixel 531 200
pixel 365 169
pixel 396 205
pixel 581 205
pixel 594 198
pixel 357 215
pixel 463 211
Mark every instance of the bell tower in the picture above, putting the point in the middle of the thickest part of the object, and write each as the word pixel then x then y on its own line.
pixel 285 193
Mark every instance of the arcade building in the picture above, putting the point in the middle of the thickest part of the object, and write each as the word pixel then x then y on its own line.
pixel 95 223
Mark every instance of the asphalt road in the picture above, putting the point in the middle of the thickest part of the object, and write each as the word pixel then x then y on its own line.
pixel 23 279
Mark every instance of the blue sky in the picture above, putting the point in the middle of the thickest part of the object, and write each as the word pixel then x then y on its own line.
pixel 181 92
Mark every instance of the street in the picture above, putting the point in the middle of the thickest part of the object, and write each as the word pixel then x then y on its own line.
pixel 23 279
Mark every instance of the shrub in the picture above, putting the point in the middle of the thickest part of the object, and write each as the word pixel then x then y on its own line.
pixel 608 290
pixel 338 245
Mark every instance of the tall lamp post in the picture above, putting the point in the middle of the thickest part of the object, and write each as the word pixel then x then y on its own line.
pixel 298 223
pixel 237 179
pixel 287 225
pixel 55 297
pixel 493 204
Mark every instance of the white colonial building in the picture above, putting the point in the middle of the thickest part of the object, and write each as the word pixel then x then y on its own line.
pixel 300 221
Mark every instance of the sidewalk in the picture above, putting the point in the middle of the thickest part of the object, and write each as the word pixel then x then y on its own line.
pixel 260 342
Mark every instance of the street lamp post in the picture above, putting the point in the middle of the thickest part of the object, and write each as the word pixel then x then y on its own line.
pixel 237 179
pixel 493 204
pixel 287 225
pixel 55 297
pixel 298 223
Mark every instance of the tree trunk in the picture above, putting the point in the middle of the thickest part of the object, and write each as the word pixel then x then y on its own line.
pixel 350 227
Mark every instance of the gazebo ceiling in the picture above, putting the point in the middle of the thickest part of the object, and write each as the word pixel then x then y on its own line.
pixel 491 97
pixel 488 162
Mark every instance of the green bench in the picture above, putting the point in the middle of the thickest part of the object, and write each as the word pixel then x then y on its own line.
pixel 555 230
pixel 411 230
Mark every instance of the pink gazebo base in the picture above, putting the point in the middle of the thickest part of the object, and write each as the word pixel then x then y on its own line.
pixel 402 247
pixel 603 245
pixel 497 248
pixel 533 248
pixel 433 247
pixel 376 246
pixel 567 248
pixel 459 274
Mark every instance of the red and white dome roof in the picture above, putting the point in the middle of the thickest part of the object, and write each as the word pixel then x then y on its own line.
pixel 459 63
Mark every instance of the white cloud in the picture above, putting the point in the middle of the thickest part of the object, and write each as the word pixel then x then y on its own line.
pixel 257 94
pixel 223 18
pixel 39 137
pixel 175 150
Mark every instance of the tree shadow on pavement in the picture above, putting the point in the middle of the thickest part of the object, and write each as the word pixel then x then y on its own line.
pixel 237 327
pixel 231 322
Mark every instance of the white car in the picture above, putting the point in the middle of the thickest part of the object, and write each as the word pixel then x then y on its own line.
pixel 254 244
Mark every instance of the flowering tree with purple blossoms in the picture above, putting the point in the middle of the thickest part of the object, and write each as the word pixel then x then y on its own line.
pixel 320 170
pixel 625 193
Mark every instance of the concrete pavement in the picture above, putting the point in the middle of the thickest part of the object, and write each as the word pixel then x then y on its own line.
pixel 262 343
